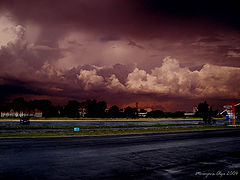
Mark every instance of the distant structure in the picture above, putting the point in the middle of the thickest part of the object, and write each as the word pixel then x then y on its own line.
pixel 142 112
pixel 83 112
pixel 137 106
pixel 12 113
pixel 230 112
pixel 189 114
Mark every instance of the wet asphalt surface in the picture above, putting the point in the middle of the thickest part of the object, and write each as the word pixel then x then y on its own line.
pixel 185 155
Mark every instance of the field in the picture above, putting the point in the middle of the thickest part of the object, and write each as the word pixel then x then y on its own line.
pixel 100 126
pixel 103 130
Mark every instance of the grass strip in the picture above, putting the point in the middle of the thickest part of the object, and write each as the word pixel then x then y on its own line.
pixel 114 132
pixel 90 127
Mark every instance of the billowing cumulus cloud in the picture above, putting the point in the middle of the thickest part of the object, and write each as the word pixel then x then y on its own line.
pixel 90 79
pixel 114 85
pixel 9 32
pixel 170 78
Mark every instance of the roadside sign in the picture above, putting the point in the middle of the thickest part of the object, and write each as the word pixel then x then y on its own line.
pixel 76 129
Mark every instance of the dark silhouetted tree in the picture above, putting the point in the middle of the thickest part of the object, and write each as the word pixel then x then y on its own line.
pixel 130 112
pixel 237 111
pixel 19 104
pixel 205 112
pixel 43 105
pixel 142 111
pixel 96 109
pixel 113 112
pixel 55 111
pixel 155 114
pixel 71 109
pixel 178 114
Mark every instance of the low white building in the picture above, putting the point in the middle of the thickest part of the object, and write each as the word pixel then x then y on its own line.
pixel 142 114
pixel 11 113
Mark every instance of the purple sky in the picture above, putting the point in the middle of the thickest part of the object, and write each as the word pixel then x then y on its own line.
pixel 165 55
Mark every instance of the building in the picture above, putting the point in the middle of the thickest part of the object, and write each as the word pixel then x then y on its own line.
pixel 82 112
pixel 231 111
pixel 189 114
pixel 15 114
pixel 142 114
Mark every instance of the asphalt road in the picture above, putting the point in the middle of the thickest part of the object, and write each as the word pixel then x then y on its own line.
pixel 100 123
pixel 185 155
pixel 104 123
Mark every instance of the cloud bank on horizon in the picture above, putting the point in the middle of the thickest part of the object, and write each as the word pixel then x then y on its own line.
pixel 162 55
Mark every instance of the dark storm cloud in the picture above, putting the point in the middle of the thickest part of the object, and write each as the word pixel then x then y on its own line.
pixel 117 48
pixel 210 39
pixel 224 11
pixel 109 38
pixel 144 17
pixel 132 43
pixel 12 86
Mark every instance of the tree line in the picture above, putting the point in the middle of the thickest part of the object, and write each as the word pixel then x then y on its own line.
pixel 97 109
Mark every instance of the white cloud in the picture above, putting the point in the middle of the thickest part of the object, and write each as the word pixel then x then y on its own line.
pixel 113 84
pixel 90 79
pixel 47 70
pixel 171 79
pixel 9 31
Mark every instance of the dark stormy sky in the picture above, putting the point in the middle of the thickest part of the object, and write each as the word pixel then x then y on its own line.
pixel 166 55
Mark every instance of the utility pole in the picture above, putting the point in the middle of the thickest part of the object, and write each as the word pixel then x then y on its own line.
pixel 233 112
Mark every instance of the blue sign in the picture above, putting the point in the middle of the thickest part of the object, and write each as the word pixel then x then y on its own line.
pixel 227 117
pixel 76 129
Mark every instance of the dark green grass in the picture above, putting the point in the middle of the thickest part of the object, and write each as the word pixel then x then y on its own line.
pixel 88 127
pixel 117 131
